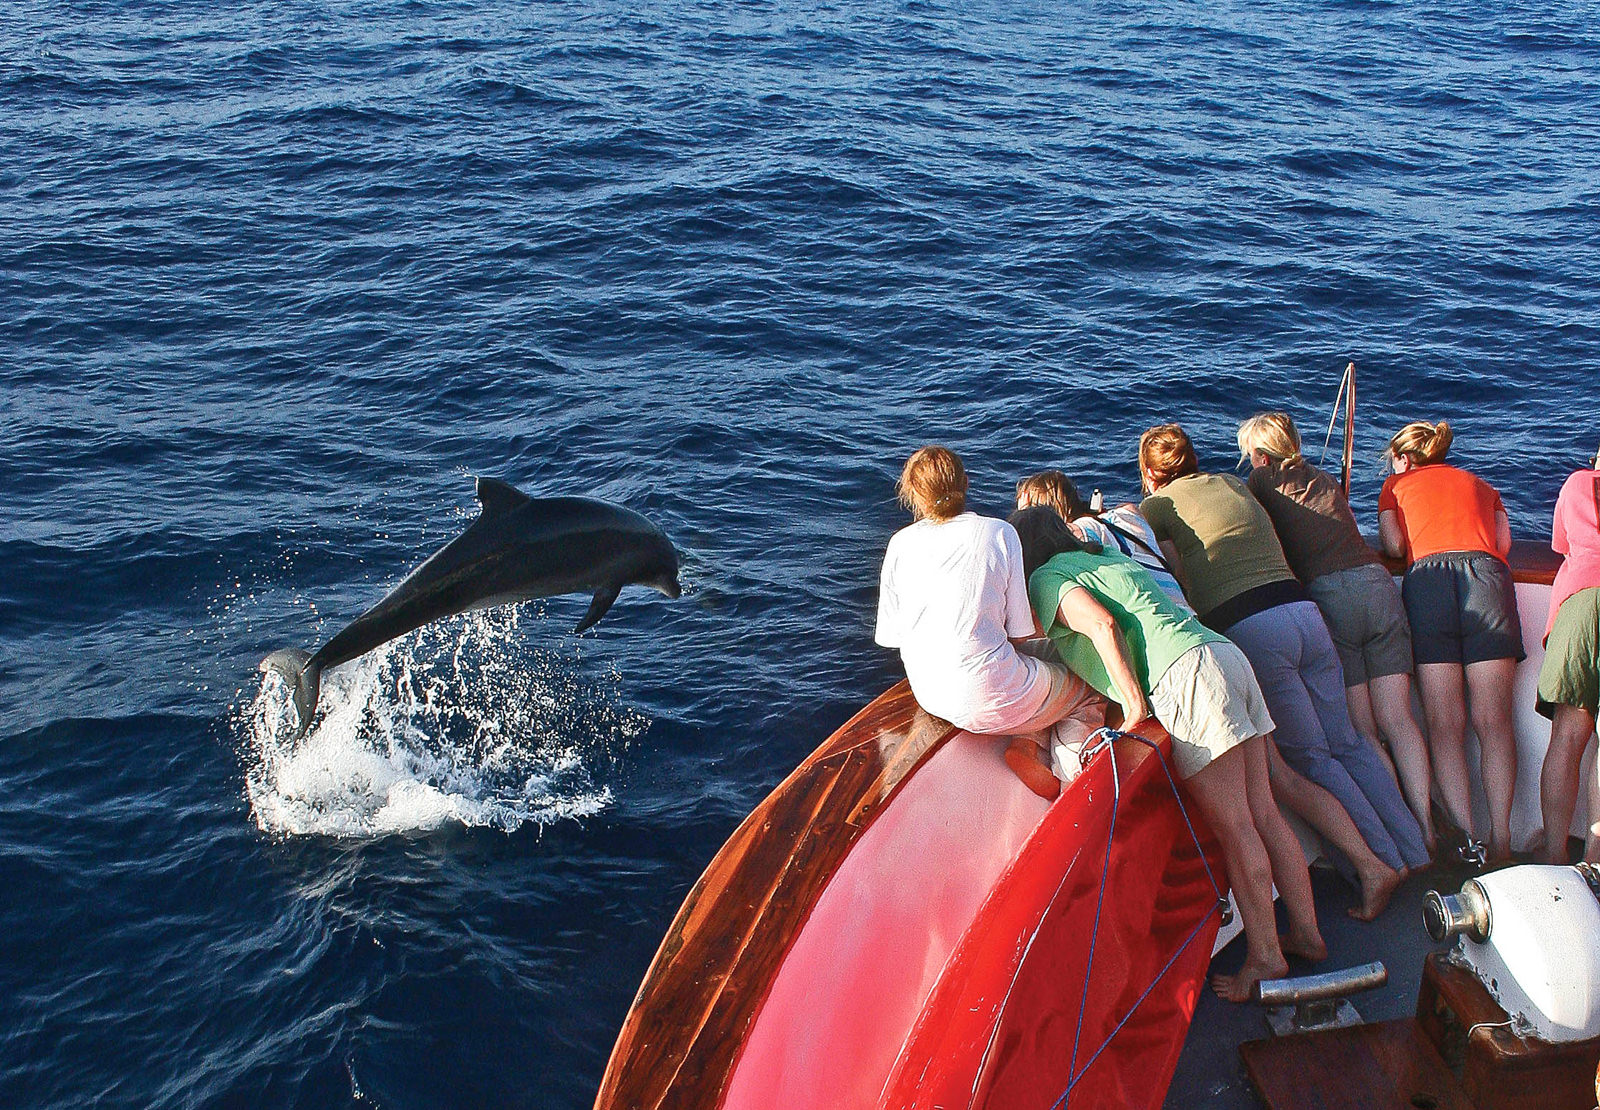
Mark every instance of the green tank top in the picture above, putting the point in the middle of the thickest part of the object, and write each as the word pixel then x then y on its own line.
pixel 1157 631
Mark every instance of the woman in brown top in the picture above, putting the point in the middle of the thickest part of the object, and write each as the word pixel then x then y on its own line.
pixel 1354 590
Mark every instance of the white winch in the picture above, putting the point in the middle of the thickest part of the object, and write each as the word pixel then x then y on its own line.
pixel 1531 934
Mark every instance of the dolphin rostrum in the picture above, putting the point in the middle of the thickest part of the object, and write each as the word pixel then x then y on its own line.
pixel 519 548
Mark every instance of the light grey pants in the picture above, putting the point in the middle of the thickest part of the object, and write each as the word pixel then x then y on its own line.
pixel 1289 648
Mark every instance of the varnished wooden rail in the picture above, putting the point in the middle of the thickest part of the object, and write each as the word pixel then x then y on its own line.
pixel 681 1040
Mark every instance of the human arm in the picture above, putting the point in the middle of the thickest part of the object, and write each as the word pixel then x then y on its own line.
pixel 1391 528
pixel 1502 533
pixel 1080 612
pixel 1391 535
pixel 1169 552
pixel 1038 634
pixel 1157 512
pixel 1558 522
pixel 887 632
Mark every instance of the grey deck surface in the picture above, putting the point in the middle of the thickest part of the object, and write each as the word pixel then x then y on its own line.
pixel 1209 1073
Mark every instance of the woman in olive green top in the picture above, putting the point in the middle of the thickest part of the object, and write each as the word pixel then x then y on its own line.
pixel 1117 630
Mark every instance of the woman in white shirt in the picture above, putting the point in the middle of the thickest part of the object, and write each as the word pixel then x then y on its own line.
pixel 953 600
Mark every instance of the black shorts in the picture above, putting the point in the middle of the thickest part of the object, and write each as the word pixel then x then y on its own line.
pixel 1463 609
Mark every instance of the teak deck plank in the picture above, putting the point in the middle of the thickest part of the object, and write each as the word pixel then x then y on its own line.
pixel 1384 1064
pixel 1500 1070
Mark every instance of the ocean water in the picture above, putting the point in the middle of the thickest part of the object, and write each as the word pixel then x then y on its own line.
pixel 278 279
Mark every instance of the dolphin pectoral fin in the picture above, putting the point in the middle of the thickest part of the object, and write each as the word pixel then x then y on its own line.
pixel 499 497
pixel 603 597
pixel 303 675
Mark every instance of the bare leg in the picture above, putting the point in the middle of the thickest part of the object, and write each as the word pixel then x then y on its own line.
pixel 1322 811
pixel 1070 700
pixel 1031 763
pixel 1558 780
pixel 1390 697
pixel 1359 701
pixel 1220 790
pixel 1489 694
pixel 1591 845
pixel 1444 703
pixel 1288 861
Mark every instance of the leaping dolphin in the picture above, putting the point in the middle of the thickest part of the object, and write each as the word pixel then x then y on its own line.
pixel 519 548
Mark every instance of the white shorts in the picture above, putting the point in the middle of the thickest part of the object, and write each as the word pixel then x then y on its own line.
pixel 1209 701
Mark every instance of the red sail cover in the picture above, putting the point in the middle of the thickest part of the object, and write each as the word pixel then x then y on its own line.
pixel 1001 1029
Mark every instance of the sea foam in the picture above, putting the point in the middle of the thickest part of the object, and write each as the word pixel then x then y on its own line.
pixel 460 721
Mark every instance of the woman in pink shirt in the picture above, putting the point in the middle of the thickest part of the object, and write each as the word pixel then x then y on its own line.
pixel 1569 679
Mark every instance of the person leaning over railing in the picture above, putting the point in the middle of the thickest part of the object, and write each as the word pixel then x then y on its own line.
pixel 1354 590
pixel 1569 679
pixel 1115 628
pixel 1466 637
pixel 953 600
pixel 1221 541
pixel 1117 529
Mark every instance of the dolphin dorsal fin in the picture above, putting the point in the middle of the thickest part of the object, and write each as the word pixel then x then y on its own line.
pixel 499 497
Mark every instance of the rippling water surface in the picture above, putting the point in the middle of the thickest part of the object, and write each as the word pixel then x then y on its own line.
pixel 277 279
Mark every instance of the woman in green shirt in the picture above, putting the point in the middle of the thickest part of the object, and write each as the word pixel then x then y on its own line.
pixel 1116 629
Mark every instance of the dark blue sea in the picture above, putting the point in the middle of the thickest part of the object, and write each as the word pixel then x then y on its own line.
pixel 277 280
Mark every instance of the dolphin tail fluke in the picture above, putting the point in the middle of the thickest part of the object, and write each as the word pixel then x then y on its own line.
pixel 603 597
pixel 303 675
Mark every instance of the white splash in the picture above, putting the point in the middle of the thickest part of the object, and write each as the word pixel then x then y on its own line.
pixel 460 721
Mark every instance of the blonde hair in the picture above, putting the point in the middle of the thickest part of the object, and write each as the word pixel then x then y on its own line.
pixel 933 484
pixel 1421 442
pixel 1166 452
pixel 1054 490
pixel 1271 433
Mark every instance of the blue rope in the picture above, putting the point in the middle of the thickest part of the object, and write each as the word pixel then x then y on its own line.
pixel 1103 739
pixel 1177 797
pixel 1127 1017
pixel 1094 934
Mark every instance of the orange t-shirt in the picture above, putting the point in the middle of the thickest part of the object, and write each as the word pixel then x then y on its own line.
pixel 1442 508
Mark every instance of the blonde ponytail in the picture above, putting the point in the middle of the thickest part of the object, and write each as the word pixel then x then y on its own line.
pixel 1421 442
pixel 1272 433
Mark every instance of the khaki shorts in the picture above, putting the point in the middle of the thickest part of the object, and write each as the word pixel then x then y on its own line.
pixel 1209 701
pixel 1570 674
pixel 1367 621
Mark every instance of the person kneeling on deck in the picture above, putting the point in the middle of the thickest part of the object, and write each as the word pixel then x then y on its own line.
pixel 1114 626
pixel 1569 679
pixel 953 600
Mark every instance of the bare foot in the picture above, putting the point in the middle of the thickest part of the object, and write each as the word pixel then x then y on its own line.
pixel 1377 887
pixel 1306 946
pixel 1543 852
pixel 1027 762
pixel 1242 987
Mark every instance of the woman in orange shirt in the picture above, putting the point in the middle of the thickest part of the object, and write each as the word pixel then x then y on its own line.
pixel 1452 530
